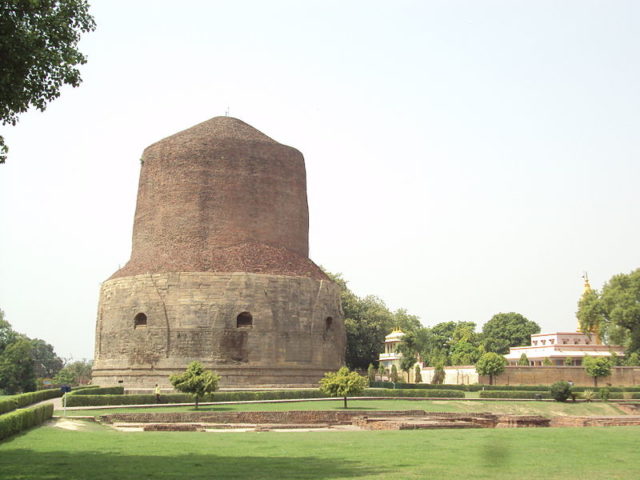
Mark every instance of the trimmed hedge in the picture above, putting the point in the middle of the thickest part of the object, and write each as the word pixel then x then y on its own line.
pixel 96 390
pixel 386 392
pixel 26 399
pixel 19 420
pixel 522 394
pixel 423 386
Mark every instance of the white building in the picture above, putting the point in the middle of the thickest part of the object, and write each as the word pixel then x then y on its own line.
pixel 391 355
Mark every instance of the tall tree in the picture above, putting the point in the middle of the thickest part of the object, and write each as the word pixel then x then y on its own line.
pixel 16 368
pixel 491 364
pixel 38 49
pixel 614 312
pixel 506 330
pixel 46 363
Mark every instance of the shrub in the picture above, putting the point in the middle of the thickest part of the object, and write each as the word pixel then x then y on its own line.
pixel 560 391
pixel 96 390
pixel 522 394
pixel 19 420
pixel 418 375
pixel 385 392
pixel 25 399
pixel 605 394
pixel 588 395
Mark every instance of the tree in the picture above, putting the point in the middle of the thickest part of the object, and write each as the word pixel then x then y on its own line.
pixel 438 373
pixel 381 370
pixel 524 361
pixel 394 374
pixel 75 373
pixel 371 373
pixel 597 367
pixel 195 380
pixel 547 362
pixel 568 361
pixel 506 330
pixel 342 383
pixel 614 313
pixel 406 364
pixel 464 353
pixel 633 360
pixel 38 48
pixel 418 374
pixel 560 391
pixel 7 335
pixel 16 368
pixel 491 364
pixel 45 361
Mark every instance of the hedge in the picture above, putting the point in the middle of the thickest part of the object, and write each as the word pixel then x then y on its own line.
pixel 387 392
pixel 423 386
pixel 521 394
pixel 19 420
pixel 96 390
pixel 26 399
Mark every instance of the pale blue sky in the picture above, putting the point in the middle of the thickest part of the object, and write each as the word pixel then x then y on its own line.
pixel 464 158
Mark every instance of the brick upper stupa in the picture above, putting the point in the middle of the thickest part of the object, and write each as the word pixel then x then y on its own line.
pixel 219 269
pixel 221 197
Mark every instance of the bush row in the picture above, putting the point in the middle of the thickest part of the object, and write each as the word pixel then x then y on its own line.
pixel 423 386
pixel 19 420
pixel 96 390
pixel 25 399
pixel 103 400
pixel 478 387
pixel 522 394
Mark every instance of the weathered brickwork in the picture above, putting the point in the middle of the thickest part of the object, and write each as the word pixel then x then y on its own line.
pixel 219 269
pixel 620 376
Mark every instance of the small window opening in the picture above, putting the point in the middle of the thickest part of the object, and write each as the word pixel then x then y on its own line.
pixel 328 322
pixel 140 320
pixel 120 381
pixel 244 320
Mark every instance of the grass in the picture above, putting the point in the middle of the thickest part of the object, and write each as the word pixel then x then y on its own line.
pixel 547 409
pixel 99 453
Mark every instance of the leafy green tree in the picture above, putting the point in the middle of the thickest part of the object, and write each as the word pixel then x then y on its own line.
pixel 547 362
pixel 381 370
pixel 418 374
pixel 195 380
pixel 614 312
pixel 406 364
pixel 75 373
pixel 438 373
pixel 16 368
pixel 343 383
pixel 523 361
pixel 491 364
pixel 464 353
pixel 38 48
pixel 394 374
pixel 597 367
pixel 7 335
pixel 45 361
pixel 371 373
pixel 568 362
pixel 633 360
pixel 560 391
pixel 506 330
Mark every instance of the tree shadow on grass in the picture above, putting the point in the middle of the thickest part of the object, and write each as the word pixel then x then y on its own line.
pixel 33 465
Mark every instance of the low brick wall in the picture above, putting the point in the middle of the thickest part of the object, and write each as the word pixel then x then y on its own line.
pixel 289 417
pixel 621 421
pixel 620 376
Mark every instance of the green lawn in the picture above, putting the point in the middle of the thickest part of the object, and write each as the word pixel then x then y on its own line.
pixel 547 409
pixel 97 453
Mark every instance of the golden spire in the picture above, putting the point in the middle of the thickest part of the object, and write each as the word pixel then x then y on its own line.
pixel 594 331
pixel 587 285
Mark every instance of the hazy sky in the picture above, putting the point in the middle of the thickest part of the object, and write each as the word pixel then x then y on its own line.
pixel 464 158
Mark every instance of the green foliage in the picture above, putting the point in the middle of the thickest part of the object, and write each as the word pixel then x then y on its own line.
pixel 438 375
pixel 406 363
pixel 394 374
pixel 17 421
pixel 605 394
pixel 196 381
pixel 633 360
pixel 547 362
pixel 464 353
pixel 75 373
pixel 96 390
pixel 521 394
pixel 588 395
pixel 506 330
pixel 597 367
pixel 381 369
pixel 523 361
pixel 568 361
pixel 343 383
pixel 418 374
pixel 38 47
pixel 46 363
pixel 420 393
pixel 491 364
pixel 371 373
pixel 16 367
pixel 560 391
pixel 25 399
pixel 614 312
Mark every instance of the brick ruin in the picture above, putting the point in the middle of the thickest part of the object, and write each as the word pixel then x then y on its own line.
pixel 219 269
